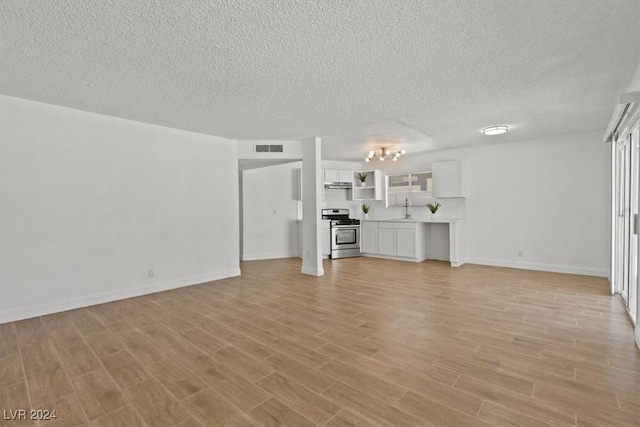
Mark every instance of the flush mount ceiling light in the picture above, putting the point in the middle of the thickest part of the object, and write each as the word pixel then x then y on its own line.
pixel 384 153
pixel 495 130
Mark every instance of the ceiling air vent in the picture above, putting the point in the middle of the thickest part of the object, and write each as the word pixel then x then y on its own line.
pixel 265 148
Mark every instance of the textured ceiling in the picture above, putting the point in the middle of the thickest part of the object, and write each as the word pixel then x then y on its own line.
pixel 431 73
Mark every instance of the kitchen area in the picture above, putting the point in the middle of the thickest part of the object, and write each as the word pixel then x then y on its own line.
pixel 397 224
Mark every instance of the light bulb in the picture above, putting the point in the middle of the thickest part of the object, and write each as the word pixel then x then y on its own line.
pixel 387 151
pixel 371 154
pixel 366 159
pixel 382 158
pixel 403 151
pixel 394 158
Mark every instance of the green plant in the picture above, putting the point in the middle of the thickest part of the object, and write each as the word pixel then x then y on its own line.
pixel 362 176
pixel 433 206
pixel 365 208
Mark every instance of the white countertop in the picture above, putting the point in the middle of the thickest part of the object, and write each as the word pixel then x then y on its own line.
pixel 427 220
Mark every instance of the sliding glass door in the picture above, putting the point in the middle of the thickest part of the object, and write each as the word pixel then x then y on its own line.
pixel 632 288
pixel 627 180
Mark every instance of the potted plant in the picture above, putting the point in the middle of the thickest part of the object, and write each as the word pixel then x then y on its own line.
pixel 433 207
pixel 365 209
pixel 362 176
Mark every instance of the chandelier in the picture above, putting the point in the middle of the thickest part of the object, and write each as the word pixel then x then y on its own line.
pixel 384 153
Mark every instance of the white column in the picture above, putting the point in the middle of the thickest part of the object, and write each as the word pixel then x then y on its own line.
pixel 312 199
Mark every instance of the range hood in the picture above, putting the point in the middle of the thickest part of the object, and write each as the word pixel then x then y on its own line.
pixel 338 185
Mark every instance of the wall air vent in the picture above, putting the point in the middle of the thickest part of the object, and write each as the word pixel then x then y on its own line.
pixel 266 148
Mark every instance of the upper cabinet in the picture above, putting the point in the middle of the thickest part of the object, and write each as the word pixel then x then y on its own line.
pixel 371 189
pixel 447 179
pixel 336 175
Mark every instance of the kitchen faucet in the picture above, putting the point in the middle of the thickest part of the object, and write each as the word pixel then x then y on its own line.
pixel 406 209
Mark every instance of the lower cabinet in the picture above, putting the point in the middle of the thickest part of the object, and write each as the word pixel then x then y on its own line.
pixel 326 239
pixel 369 237
pixel 387 238
pixel 402 240
pixel 406 243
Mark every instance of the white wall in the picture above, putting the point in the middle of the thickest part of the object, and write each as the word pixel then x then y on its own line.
pixel 635 81
pixel 269 212
pixel 548 198
pixel 91 202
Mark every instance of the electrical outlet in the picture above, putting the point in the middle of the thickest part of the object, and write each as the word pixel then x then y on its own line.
pixel 520 254
pixel 150 272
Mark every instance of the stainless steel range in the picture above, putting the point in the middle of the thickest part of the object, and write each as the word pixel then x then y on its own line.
pixel 345 233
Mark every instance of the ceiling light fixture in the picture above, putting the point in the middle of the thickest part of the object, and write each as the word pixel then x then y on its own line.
pixel 495 130
pixel 384 153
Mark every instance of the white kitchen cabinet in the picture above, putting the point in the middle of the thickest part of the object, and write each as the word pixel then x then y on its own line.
pixel 406 243
pixel 337 175
pixel 412 240
pixel 373 188
pixel 369 237
pixel 345 176
pixel 447 179
pixel 331 175
pixel 326 239
pixel 387 241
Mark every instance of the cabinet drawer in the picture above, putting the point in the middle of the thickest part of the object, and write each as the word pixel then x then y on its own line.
pixel 369 224
pixel 398 225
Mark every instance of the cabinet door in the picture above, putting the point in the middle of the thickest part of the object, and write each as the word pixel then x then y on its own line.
pixel 406 243
pixel 346 176
pixel 387 241
pixel 369 240
pixel 326 241
pixel 331 175
pixel 447 179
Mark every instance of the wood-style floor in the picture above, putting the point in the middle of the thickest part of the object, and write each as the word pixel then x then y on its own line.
pixel 373 342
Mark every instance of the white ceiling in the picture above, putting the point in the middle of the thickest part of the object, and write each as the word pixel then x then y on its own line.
pixel 430 74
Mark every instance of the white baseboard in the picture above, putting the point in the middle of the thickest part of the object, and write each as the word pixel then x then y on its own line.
pixel 555 268
pixel 637 336
pixel 100 298
pixel 269 255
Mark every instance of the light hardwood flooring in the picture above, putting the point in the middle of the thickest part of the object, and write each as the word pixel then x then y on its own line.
pixel 373 342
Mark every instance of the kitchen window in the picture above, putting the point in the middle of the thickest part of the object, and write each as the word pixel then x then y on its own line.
pixel 415 187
